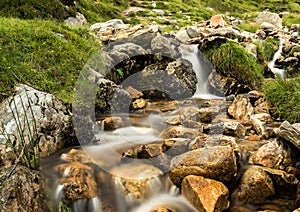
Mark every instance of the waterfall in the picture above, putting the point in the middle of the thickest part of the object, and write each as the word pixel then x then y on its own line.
pixel 202 68
pixel 277 71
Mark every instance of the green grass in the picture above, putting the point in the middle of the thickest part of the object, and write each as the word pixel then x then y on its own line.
pixel 284 98
pixel 231 59
pixel 33 53
pixel 59 10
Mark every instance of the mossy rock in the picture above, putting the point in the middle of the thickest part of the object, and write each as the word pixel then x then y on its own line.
pixel 284 97
pixel 230 59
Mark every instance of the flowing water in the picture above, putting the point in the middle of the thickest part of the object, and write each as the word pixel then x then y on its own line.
pixel 271 65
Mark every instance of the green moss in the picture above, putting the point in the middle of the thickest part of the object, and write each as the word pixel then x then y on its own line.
pixel 231 59
pixel 284 98
pixel 250 27
pixel 292 18
pixel 43 54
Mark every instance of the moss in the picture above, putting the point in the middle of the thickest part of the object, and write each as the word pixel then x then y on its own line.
pixel 250 27
pixel 43 54
pixel 231 59
pixel 284 98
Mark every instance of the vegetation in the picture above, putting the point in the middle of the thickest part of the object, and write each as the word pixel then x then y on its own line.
pixel 233 60
pixel 284 97
pixel 26 144
pixel 43 54
pixel 61 9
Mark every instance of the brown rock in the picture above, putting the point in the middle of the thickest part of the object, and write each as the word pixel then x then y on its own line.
pixel 273 155
pixel 217 21
pixel 135 94
pixel 149 151
pixel 214 140
pixel 207 114
pixel 241 108
pixel 139 103
pixel 176 146
pixel 258 125
pixel 289 133
pixel 180 132
pixel 205 194
pixel 76 155
pixel 255 187
pixel 219 163
pixel 111 123
pixel 78 181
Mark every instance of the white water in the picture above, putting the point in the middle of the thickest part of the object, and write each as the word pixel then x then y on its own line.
pixel 202 70
pixel 277 71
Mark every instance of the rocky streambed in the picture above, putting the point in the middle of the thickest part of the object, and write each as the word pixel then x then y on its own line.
pixel 154 127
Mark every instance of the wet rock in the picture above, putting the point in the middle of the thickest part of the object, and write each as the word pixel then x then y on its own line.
pixel 176 146
pixel 78 181
pixel 76 155
pixel 217 21
pixel 22 189
pixel 162 209
pixel 136 179
pixel 241 108
pixel 139 103
pixel 219 163
pixel 150 151
pixel 205 194
pixel 269 17
pixel 273 155
pixel 228 128
pixel 255 187
pixel 289 133
pixel 43 111
pixel 135 94
pixel 180 132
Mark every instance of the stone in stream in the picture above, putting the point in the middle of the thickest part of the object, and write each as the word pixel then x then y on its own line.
pixel 258 125
pixel 180 132
pixel 273 154
pixel 138 179
pixel 232 128
pixel 289 133
pixel 76 155
pixel 78 181
pixel 111 123
pixel 214 140
pixel 255 187
pixel 207 114
pixel 241 108
pixel 22 189
pixel 219 163
pixel 205 194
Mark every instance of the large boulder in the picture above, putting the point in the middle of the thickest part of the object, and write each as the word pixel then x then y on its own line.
pixel 241 108
pixel 41 116
pixel 219 163
pixel 269 17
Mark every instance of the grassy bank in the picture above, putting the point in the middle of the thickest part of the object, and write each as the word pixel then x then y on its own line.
pixel 43 54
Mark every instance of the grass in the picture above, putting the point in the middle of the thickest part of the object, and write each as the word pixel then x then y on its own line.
pixel 233 60
pixel 284 97
pixel 43 54
pixel 26 143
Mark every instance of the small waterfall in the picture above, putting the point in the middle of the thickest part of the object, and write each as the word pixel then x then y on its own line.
pixel 277 71
pixel 202 69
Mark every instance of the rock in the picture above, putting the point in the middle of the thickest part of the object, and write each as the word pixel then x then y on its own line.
pixel 273 155
pixel 192 32
pixel 267 26
pixel 217 21
pixel 228 128
pixel 110 23
pixel 289 133
pixel 139 103
pixel 111 123
pixel 285 184
pixel 263 117
pixel 269 17
pixel 180 132
pixel 162 45
pixel 135 94
pixel 207 114
pixel 137 179
pixel 226 33
pixel 176 146
pixel 76 156
pixel 43 110
pixel 214 140
pixel 252 48
pixel 258 125
pixel 296 126
pixel 79 20
pixel 78 181
pixel 150 151
pixel 241 108
pixel 22 189
pixel 205 194
pixel 219 163
pixel 255 187
pixel 159 12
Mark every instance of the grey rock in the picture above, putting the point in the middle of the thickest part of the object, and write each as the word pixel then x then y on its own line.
pixel 269 17
pixel 289 133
